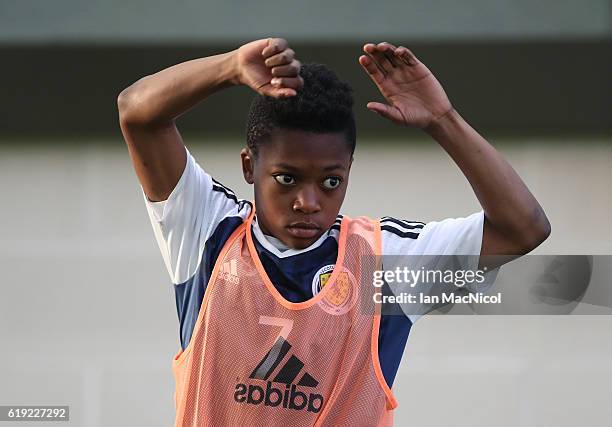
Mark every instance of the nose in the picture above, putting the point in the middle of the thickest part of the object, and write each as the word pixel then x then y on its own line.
pixel 307 200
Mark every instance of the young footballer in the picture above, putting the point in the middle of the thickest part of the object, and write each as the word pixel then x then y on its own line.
pixel 277 324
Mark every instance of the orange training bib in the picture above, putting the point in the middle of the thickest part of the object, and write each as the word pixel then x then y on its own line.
pixel 256 359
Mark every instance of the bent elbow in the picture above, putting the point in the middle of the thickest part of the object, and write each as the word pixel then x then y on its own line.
pixel 537 233
pixel 127 102
pixel 134 105
pixel 123 101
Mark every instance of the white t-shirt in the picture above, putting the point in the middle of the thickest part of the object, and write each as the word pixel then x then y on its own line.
pixel 184 223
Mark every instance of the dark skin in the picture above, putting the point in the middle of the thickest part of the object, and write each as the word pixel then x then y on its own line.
pixel 514 224
pixel 300 180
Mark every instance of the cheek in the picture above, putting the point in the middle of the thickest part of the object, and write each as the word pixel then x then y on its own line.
pixel 334 202
pixel 338 195
pixel 269 195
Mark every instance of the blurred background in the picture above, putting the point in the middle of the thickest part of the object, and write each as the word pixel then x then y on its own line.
pixel 87 312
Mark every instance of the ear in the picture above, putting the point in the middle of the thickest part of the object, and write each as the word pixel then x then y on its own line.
pixel 248 164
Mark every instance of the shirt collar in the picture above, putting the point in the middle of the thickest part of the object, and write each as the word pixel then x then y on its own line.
pixel 277 247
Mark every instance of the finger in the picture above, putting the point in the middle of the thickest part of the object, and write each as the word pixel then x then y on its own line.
pixel 400 53
pixel 406 55
pixel 379 57
pixel 281 58
pixel 386 111
pixel 385 45
pixel 368 48
pixel 275 45
pixel 287 82
pixel 289 70
pixel 371 68
pixel 389 51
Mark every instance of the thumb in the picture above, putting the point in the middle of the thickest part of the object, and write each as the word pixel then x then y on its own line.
pixel 386 111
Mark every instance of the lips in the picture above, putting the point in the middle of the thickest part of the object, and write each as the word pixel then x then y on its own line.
pixel 303 230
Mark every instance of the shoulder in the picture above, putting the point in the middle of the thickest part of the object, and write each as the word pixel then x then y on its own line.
pixel 400 228
pixel 195 214
pixel 391 228
pixel 448 236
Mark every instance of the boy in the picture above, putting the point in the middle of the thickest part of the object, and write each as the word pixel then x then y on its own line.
pixel 270 333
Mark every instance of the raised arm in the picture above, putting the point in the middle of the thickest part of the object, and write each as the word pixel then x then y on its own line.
pixel 515 223
pixel 148 109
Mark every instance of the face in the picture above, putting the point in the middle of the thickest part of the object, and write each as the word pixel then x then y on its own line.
pixel 300 180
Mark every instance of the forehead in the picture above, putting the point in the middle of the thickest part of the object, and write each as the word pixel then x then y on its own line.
pixel 305 149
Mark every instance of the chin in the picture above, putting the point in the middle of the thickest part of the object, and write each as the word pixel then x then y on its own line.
pixel 301 244
pixel 294 243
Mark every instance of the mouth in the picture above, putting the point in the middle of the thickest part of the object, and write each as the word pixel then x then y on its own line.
pixel 303 230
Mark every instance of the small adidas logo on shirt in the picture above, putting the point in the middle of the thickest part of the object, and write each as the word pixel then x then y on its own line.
pixel 229 272
pixel 291 397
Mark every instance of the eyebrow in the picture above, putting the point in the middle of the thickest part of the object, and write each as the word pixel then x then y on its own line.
pixel 326 168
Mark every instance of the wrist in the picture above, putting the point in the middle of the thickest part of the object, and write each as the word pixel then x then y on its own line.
pixel 443 123
pixel 230 71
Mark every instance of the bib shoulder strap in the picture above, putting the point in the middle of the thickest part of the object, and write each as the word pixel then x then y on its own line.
pixel 367 228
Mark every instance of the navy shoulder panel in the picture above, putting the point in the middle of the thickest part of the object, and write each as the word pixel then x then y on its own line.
pixel 189 294
pixel 392 338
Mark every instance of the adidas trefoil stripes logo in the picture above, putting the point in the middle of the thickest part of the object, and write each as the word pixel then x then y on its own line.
pixel 228 272
pixel 289 396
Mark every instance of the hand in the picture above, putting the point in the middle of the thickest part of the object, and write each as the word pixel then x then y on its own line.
pixel 415 98
pixel 268 66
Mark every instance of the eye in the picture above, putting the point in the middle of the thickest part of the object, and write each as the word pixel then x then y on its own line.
pixel 284 179
pixel 332 182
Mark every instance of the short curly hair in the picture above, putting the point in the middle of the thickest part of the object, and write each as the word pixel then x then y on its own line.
pixel 324 104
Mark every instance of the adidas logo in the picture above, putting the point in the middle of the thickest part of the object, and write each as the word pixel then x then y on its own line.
pixel 290 396
pixel 228 272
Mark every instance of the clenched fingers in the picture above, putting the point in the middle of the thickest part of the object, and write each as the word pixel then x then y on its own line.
pixel 284 68
pixel 275 45
pixel 287 82
pixel 289 70
pixel 281 58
